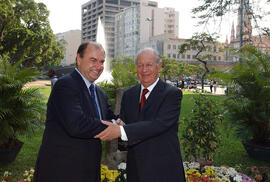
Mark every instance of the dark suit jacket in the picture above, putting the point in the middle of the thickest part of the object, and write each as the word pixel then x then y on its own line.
pixel 68 151
pixel 153 145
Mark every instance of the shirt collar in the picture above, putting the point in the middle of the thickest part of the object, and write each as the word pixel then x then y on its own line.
pixel 151 87
pixel 87 83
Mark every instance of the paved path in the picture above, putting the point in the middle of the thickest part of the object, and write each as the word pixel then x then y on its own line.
pixel 220 90
pixel 39 83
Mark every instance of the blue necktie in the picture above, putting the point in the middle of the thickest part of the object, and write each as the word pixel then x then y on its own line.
pixel 92 91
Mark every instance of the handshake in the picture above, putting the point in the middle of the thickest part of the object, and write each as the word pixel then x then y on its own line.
pixel 113 130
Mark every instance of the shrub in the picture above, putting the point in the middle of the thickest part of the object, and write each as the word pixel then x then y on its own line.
pixel 200 134
pixel 21 109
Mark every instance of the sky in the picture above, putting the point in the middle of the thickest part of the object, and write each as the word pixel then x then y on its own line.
pixel 65 15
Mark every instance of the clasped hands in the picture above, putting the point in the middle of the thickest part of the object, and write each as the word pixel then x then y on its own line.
pixel 111 132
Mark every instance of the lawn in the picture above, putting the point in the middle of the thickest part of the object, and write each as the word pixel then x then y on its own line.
pixel 230 152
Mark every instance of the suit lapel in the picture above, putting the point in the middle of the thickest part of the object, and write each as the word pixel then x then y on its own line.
pixel 84 90
pixel 81 83
pixel 136 99
pixel 132 103
pixel 154 95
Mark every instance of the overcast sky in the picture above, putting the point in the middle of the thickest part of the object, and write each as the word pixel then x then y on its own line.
pixel 66 15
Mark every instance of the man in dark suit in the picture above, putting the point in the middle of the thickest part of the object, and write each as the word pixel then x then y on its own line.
pixel 151 125
pixel 69 152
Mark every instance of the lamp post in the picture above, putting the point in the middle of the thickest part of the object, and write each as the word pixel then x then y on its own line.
pixel 150 20
pixel 241 23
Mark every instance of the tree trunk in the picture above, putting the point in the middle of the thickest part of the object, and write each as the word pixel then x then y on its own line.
pixel 113 156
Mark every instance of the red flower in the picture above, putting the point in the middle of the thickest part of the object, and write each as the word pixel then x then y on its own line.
pixel 258 177
pixel 21 180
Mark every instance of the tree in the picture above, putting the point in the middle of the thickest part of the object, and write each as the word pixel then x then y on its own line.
pixel 203 43
pixel 177 70
pixel 168 68
pixel 25 33
pixel 212 9
pixel 188 69
pixel 124 72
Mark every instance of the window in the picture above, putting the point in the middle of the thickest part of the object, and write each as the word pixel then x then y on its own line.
pixel 183 56
pixel 174 46
pixel 174 55
pixel 110 13
pixel 169 46
pixel 111 8
pixel 169 55
pixel 109 18
pixel 125 3
pixel 111 2
pixel 188 56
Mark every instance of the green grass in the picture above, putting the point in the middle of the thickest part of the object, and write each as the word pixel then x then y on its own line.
pixel 46 90
pixel 230 152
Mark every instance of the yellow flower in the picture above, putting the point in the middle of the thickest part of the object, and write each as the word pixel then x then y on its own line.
pixel 209 172
pixel 111 175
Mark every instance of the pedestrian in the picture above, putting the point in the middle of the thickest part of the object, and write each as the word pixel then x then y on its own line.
pixel 215 86
pixel 188 82
pixel 211 86
pixel 52 75
pixel 182 86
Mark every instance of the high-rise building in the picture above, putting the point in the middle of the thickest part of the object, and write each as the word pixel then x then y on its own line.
pixel 137 24
pixel 106 10
pixel 73 40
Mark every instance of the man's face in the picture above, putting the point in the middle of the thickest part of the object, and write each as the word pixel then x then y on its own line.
pixel 147 68
pixel 91 64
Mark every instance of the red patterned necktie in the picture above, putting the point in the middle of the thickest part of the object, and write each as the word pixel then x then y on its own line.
pixel 143 98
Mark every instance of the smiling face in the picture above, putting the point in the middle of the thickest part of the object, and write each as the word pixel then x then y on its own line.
pixel 91 64
pixel 147 68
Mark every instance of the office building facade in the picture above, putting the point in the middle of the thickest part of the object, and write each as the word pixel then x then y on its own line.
pixel 137 24
pixel 106 10
pixel 73 40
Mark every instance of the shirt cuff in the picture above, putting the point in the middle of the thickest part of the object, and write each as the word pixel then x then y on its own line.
pixel 123 134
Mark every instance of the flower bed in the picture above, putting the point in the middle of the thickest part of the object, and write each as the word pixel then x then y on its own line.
pixel 192 171
pixel 212 173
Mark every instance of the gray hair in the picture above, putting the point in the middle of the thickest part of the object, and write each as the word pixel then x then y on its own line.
pixel 150 49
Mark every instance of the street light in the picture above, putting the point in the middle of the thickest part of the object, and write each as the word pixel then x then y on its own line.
pixel 150 20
